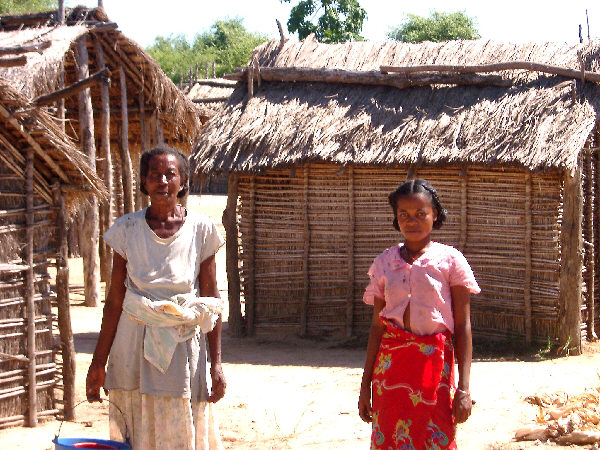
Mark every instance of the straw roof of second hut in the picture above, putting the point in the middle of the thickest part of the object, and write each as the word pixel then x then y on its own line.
pixel 211 93
pixel 538 121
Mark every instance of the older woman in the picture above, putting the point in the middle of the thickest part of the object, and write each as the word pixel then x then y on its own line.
pixel 163 298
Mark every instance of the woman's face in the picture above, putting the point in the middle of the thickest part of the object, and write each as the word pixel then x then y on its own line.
pixel 163 180
pixel 415 215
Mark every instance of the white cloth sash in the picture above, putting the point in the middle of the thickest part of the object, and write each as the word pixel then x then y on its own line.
pixel 169 322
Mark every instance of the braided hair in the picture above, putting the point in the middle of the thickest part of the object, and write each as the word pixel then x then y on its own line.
pixel 182 162
pixel 418 186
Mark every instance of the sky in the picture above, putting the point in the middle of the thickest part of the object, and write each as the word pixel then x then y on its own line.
pixel 507 20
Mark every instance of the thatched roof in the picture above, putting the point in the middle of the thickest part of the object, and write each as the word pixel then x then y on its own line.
pixel 181 119
pixel 211 93
pixel 55 154
pixel 541 121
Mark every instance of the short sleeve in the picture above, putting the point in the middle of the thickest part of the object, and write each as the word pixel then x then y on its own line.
pixel 461 273
pixel 212 241
pixel 376 286
pixel 115 237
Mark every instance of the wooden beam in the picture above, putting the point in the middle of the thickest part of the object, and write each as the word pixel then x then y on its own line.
pixel 571 265
pixel 210 100
pixel 527 244
pixel 101 27
pixel 30 293
pixel 20 49
pixel 102 76
pixel 105 171
pixel 350 254
pixel 305 254
pixel 232 257
pixel 34 144
pixel 250 291
pixel 13 62
pixel 89 235
pixel 497 67
pixel 373 78
pixel 589 243
pixel 127 171
pixel 64 305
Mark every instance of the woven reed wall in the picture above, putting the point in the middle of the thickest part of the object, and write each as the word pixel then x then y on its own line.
pixel 308 236
pixel 13 324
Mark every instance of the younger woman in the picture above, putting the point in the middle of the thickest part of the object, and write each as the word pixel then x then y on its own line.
pixel 421 293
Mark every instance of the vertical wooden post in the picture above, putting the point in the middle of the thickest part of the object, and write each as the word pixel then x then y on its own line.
pixel 571 264
pixel 64 305
pixel 250 80
pixel 305 255
pixel 232 257
pixel 250 283
pixel 463 209
pixel 127 171
pixel 527 255
pixel 214 69
pixel 30 293
pixel 596 158
pixel 350 254
pixel 61 12
pixel 589 239
pixel 144 142
pixel 100 4
pixel 206 72
pixel 159 138
pixel 88 238
pixel 106 168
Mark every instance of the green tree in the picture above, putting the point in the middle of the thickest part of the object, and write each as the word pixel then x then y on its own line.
pixel 26 6
pixel 339 20
pixel 227 43
pixel 438 27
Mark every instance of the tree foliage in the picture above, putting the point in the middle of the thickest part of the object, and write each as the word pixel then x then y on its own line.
pixel 26 6
pixel 339 20
pixel 438 27
pixel 228 43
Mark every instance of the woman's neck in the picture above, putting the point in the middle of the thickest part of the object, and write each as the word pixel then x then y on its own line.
pixel 417 246
pixel 163 213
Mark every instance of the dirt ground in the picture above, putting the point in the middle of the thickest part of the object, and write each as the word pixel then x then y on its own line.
pixel 303 394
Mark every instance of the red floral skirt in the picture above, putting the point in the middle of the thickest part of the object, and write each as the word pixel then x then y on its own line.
pixel 413 388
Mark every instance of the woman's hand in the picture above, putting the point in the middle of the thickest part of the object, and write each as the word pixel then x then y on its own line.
pixel 218 383
pixel 94 381
pixel 365 410
pixel 461 406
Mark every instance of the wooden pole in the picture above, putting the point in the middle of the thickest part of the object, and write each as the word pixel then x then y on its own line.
pixel 305 254
pixel 250 291
pixel 30 294
pixel 596 158
pixel 206 69
pixel 527 256
pixel 144 200
pixel 61 12
pixel 127 171
pixel 571 265
pixel 102 77
pixel 232 257
pixel 374 78
pixel 214 69
pixel 106 169
pixel 88 238
pixel 463 209
pixel 589 240
pixel 159 137
pixel 64 305
pixel 350 254
pixel 496 67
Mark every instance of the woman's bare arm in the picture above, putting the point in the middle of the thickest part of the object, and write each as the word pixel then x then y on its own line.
pixel 110 320
pixel 461 301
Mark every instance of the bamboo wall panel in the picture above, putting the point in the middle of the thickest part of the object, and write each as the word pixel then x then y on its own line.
pixel 491 226
pixel 13 326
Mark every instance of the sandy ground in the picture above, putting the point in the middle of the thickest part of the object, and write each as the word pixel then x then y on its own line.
pixel 303 394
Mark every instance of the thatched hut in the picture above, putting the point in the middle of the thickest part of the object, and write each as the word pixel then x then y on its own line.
pixel 211 93
pixel 116 101
pixel 319 135
pixel 42 175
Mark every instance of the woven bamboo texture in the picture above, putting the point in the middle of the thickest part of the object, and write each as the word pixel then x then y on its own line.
pixel 13 323
pixel 300 247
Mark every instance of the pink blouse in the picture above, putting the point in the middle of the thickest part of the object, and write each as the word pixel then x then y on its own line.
pixel 425 285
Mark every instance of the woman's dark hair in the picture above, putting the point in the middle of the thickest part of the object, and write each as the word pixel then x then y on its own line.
pixel 182 161
pixel 418 186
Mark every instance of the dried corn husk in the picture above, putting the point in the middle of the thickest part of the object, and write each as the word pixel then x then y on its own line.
pixel 565 419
